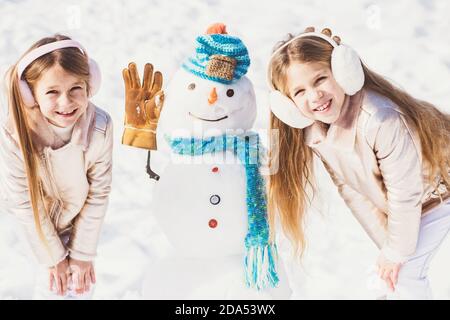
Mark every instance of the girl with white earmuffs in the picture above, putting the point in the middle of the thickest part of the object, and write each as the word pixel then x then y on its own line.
pixel 386 152
pixel 56 149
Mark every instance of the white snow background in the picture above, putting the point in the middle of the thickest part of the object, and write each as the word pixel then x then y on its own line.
pixel 406 40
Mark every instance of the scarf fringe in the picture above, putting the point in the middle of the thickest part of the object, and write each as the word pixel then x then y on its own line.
pixel 260 266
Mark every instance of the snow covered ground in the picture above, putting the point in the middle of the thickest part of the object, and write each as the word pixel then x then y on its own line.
pixel 406 40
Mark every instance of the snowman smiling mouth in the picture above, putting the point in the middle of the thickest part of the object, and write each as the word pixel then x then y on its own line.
pixel 210 120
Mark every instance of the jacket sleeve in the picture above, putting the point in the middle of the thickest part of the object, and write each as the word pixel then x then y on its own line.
pixel 372 219
pixel 399 160
pixel 87 224
pixel 17 201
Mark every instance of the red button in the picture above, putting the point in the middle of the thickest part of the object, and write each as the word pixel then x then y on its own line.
pixel 215 169
pixel 212 223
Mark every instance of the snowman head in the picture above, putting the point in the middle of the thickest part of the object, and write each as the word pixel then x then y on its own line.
pixel 210 94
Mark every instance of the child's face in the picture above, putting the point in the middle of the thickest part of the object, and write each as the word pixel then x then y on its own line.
pixel 61 96
pixel 314 90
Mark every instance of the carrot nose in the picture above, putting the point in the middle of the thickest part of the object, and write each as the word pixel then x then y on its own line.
pixel 212 96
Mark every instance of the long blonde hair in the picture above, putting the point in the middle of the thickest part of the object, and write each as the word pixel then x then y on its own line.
pixel 73 61
pixel 288 186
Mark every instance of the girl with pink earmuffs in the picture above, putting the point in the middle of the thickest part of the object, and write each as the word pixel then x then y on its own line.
pixel 57 149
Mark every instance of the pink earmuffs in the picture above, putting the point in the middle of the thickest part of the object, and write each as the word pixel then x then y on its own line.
pixel 25 90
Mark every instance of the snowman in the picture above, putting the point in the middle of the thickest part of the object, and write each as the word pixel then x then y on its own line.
pixel 210 198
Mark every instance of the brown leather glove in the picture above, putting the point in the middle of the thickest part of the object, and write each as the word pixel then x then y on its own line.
pixel 143 104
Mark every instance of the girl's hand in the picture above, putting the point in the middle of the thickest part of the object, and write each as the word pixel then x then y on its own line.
pixel 83 275
pixel 388 271
pixel 60 276
pixel 325 31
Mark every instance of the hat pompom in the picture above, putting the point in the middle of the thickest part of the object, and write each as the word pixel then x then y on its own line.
pixel 217 28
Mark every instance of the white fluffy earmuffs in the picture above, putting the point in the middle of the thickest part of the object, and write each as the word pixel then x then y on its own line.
pixel 347 71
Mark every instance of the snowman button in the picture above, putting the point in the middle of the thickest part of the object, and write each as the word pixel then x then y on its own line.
pixel 215 199
pixel 215 169
pixel 212 223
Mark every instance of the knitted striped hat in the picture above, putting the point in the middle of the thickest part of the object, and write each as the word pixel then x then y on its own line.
pixel 218 56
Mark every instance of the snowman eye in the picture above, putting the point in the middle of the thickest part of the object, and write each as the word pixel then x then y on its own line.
pixel 191 86
pixel 230 93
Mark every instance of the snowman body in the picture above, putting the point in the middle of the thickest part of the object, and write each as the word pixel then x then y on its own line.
pixel 200 200
pixel 206 203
